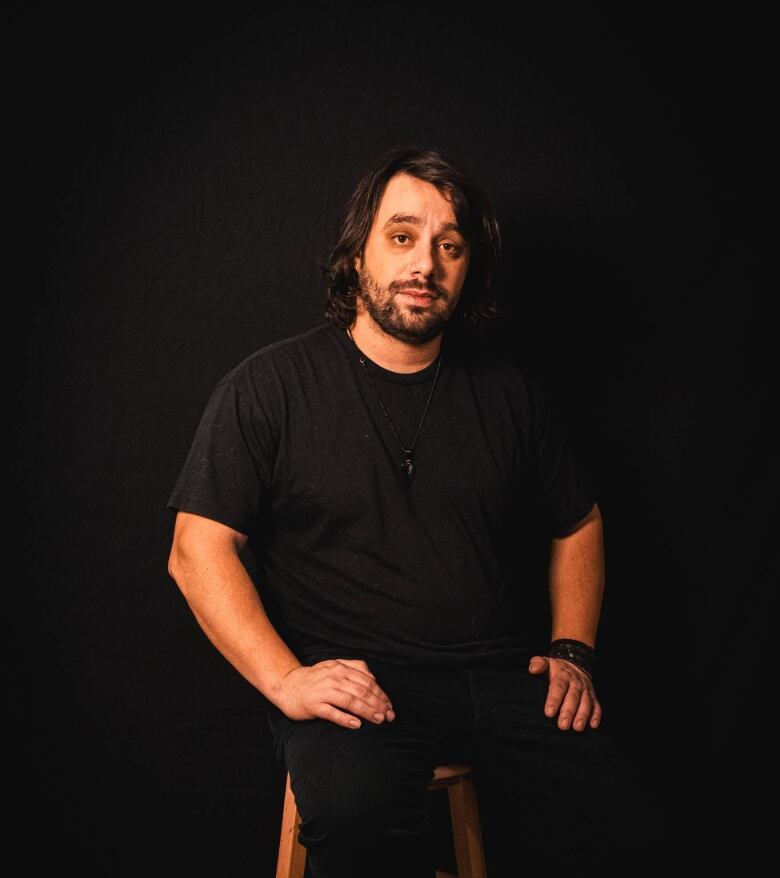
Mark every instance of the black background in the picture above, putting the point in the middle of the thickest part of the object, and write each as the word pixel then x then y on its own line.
pixel 178 178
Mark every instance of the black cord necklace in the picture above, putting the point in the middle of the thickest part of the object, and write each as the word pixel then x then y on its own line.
pixel 408 466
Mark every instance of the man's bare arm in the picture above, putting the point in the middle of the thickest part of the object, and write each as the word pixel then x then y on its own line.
pixel 576 579
pixel 205 564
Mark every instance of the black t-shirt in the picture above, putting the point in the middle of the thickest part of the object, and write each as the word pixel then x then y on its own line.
pixel 353 561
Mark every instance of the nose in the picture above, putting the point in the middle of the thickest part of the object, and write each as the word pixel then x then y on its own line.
pixel 422 263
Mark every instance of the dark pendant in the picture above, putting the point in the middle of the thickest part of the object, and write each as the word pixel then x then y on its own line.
pixel 408 466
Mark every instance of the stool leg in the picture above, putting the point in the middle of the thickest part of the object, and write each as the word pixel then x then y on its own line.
pixel 466 832
pixel 291 862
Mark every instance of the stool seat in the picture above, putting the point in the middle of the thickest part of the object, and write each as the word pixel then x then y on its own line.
pixel 443 774
pixel 464 814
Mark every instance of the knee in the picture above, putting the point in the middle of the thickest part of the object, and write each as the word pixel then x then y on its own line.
pixel 357 806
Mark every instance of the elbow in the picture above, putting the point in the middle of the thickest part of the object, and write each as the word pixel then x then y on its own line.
pixel 174 563
pixel 183 558
pixel 199 546
pixel 183 569
pixel 184 546
pixel 177 564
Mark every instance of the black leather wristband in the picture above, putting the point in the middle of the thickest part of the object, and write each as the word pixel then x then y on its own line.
pixel 576 652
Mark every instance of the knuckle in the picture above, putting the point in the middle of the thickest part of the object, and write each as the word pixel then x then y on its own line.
pixel 323 711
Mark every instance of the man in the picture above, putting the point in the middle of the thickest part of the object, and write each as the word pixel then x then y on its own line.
pixel 390 476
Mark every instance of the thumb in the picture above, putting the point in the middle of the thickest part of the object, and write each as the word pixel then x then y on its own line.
pixel 538 664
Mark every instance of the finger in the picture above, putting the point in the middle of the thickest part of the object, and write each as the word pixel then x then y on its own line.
pixel 357 698
pixel 386 707
pixel 358 664
pixel 555 695
pixel 333 714
pixel 595 717
pixel 357 677
pixel 584 712
pixel 352 693
pixel 571 705
pixel 538 664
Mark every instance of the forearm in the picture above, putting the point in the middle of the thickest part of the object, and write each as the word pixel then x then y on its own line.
pixel 227 606
pixel 576 580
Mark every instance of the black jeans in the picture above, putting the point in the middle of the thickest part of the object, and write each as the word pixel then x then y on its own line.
pixel 547 798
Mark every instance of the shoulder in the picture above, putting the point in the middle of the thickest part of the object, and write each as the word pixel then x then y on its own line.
pixel 511 394
pixel 497 374
pixel 274 365
pixel 279 354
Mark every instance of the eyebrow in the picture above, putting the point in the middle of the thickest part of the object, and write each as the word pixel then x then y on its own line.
pixel 398 219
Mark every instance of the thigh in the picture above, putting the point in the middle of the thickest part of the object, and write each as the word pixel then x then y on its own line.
pixel 339 770
pixel 376 763
pixel 364 790
pixel 548 796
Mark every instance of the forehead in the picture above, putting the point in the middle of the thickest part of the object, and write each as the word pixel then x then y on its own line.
pixel 409 195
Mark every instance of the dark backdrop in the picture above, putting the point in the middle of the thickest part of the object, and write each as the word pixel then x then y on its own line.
pixel 181 175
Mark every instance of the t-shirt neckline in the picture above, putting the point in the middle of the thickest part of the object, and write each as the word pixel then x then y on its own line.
pixel 379 372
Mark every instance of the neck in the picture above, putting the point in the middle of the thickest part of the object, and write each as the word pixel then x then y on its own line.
pixel 389 352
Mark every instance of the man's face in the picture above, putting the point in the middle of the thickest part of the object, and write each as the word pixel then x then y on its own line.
pixel 414 262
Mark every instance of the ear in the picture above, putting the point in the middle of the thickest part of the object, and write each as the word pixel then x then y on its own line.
pixel 357 262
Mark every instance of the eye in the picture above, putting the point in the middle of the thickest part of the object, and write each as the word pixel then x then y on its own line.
pixel 450 247
pixel 400 238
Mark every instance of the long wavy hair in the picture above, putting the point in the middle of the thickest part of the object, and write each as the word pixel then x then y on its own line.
pixel 476 309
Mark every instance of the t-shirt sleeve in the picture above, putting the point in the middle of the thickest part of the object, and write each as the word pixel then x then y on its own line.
pixel 566 492
pixel 227 475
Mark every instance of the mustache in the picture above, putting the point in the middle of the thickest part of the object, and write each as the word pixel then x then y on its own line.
pixel 398 286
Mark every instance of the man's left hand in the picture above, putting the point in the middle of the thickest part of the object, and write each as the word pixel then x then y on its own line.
pixel 571 691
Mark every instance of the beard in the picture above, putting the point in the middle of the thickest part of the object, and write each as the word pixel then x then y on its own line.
pixel 413 324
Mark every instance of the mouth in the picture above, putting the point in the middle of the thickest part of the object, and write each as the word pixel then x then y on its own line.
pixel 419 297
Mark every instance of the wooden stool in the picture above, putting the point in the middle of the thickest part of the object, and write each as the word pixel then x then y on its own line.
pixel 466 831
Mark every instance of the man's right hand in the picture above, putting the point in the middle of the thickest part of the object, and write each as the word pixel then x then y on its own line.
pixel 319 691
